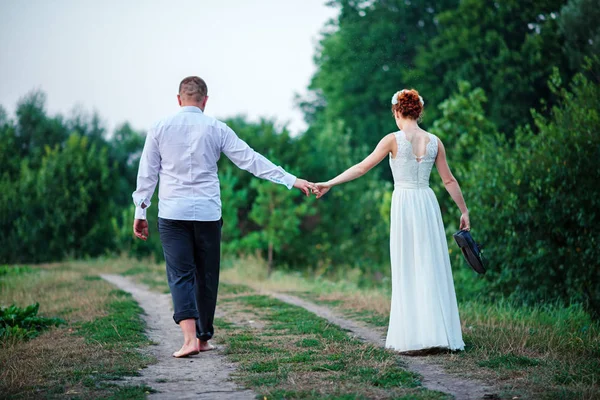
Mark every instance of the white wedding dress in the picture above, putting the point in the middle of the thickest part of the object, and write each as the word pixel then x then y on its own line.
pixel 424 312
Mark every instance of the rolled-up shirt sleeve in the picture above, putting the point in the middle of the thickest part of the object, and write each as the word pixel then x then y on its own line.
pixel 147 176
pixel 247 159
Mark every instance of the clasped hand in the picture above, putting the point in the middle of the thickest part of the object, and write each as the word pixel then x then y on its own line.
pixel 318 189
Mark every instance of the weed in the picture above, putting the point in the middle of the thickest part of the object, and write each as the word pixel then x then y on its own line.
pixel 23 323
pixel 13 270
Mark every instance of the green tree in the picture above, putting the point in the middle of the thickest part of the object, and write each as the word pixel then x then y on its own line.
pixel 34 130
pixel 363 58
pixel 277 217
pixel 461 127
pixel 61 209
pixel 348 228
pixel 578 24
pixel 538 198
pixel 233 198
pixel 507 48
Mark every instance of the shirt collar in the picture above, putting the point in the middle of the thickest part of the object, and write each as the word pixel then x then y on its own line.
pixel 191 109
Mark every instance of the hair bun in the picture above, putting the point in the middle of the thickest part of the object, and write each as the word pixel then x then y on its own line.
pixel 408 103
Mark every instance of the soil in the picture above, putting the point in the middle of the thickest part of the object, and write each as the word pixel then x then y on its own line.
pixel 203 376
pixel 208 375
pixel 434 377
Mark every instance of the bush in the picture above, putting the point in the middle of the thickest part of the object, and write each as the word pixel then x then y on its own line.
pixel 537 202
pixel 23 323
pixel 15 270
pixel 63 208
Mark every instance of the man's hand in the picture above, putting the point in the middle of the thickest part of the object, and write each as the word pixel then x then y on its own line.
pixel 140 229
pixel 304 186
pixel 321 188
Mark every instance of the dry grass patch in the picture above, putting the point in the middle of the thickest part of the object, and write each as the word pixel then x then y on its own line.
pixel 98 343
pixel 63 293
pixel 56 354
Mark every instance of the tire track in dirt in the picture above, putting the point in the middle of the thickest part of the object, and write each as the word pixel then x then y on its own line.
pixel 434 376
pixel 204 376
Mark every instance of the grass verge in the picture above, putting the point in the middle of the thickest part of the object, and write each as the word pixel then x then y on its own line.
pixel 542 352
pixel 80 359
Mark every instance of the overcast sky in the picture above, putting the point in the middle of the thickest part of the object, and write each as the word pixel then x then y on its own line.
pixel 125 59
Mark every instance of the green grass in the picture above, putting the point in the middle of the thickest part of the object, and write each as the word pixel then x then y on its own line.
pixel 533 352
pixel 18 323
pixel 11 270
pixel 297 354
pixel 138 392
pixel 98 344
pixel 225 289
pixel 122 327
pixel 541 352
pixel 309 343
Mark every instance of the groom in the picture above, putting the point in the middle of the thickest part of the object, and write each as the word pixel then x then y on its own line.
pixel 183 150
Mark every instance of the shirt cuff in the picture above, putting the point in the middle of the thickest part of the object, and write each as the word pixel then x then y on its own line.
pixel 289 180
pixel 140 213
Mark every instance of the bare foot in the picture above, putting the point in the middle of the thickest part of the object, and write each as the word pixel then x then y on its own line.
pixel 187 350
pixel 205 346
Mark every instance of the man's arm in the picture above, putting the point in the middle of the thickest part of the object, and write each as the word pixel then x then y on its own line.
pixel 146 183
pixel 247 159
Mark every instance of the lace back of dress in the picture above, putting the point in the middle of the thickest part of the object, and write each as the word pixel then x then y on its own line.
pixel 407 166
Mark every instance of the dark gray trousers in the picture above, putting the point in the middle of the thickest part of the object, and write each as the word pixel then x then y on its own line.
pixel 193 255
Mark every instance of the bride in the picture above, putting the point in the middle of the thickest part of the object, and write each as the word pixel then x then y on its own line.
pixel 424 313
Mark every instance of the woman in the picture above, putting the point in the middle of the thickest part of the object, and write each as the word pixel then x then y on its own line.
pixel 424 313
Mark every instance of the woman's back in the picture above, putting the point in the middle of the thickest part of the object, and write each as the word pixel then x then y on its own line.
pixel 412 165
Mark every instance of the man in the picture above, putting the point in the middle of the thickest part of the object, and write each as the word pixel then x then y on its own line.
pixel 183 150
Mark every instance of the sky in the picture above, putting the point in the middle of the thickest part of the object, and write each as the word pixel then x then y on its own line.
pixel 125 59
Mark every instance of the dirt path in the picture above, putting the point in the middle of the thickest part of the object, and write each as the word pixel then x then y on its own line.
pixel 434 377
pixel 205 376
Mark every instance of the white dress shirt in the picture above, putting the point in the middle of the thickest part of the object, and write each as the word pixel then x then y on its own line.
pixel 183 150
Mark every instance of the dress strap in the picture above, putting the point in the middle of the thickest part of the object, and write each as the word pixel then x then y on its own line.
pixel 433 140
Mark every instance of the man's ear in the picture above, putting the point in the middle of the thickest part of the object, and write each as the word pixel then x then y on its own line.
pixel 204 102
pixel 179 100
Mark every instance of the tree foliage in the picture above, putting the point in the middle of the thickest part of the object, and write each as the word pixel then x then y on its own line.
pixel 538 200
pixel 364 58
pixel 507 48
pixel 528 177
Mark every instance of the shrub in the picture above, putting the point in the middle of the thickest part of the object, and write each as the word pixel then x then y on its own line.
pixel 537 202
pixel 15 270
pixel 23 323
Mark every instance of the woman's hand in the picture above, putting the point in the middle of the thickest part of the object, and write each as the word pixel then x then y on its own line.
pixel 321 188
pixel 465 223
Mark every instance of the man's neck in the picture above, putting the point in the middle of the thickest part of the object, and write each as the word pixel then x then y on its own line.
pixel 197 105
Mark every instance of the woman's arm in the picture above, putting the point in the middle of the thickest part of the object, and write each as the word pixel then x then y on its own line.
pixel 452 186
pixel 385 147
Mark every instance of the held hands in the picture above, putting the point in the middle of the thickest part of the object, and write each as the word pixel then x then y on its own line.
pixel 305 186
pixel 321 188
pixel 318 189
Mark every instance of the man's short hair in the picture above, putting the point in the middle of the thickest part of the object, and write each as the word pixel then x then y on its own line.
pixel 194 88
